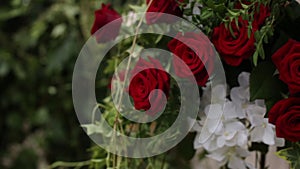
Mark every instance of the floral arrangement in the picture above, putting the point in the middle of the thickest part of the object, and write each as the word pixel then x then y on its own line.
pixel 258 45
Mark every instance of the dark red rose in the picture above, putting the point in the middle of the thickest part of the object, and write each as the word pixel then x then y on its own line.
pixel 287 61
pixel 146 81
pixel 233 50
pixel 160 7
pixel 196 54
pixel 104 16
pixel 285 115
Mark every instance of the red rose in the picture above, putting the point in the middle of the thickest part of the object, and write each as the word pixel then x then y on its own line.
pixel 104 16
pixel 144 82
pixel 196 42
pixel 234 50
pixel 285 115
pixel 287 61
pixel 160 7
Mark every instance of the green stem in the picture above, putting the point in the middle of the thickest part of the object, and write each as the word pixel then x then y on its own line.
pixel 69 164
pixel 108 160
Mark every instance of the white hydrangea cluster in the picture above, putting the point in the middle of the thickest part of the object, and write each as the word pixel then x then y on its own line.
pixel 231 125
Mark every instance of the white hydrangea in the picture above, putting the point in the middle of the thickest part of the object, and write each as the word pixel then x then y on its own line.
pixel 234 156
pixel 228 126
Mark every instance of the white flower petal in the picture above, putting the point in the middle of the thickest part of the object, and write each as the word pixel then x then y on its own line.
pixel 219 94
pixel 229 135
pixel 240 95
pixel 236 163
pixel 220 142
pixel 256 120
pixel 253 109
pixel 234 126
pixel 213 125
pixel 257 134
pixel 242 138
pixel 197 143
pixel 219 154
pixel 194 125
pixel 230 143
pixel 244 79
pixel 250 166
pixel 204 136
pixel 233 111
pixel 213 111
pixel 260 102
pixel 242 152
pixel 268 137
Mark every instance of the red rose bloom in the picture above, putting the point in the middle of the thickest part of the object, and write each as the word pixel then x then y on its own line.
pixel 144 82
pixel 160 7
pixel 196 54
pixel 287 61
pixel 104 16
pixel 285 115
pixel 234 50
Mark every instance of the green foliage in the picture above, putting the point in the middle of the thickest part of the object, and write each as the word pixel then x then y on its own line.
pixel 214 12
pixel 39 43
pixel 292 155
pixel 262 37
pixel 263 83
pixel 289 21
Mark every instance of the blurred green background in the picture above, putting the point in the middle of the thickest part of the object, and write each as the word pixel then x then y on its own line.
pixel 39 43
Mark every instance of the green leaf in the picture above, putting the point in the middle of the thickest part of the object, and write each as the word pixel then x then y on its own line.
pixel 237 23
pixel 266 39
pixel 244 6
pixel 185 147
pixel 292 155
pixel 96 129
pixel 111 65
pixel 206 14
pixel 7 14
pixel 138 8
pixel 137 50
pixel 257 35
pixel 231 31
pixel 60 56
pixel 263 83
pixel 221 8
pixel 210 3
pixel 233 13
pixel 249 31
pixel 255 58
pixel 261 52
pixel 92 129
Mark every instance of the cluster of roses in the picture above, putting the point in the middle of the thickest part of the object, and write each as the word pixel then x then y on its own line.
pixel 237 45
pixel 234 47
pixel 188 47
pixel 285 114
